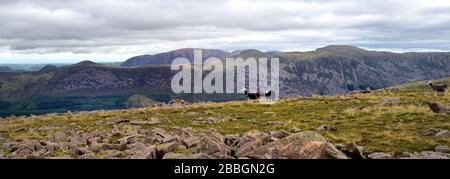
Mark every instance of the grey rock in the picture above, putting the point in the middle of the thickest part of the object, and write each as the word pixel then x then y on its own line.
pixel 199 156
pixel 21 153
pixel 442 149
pixel 191 142
pixel 269 113
pixel 232 139
pixel 380 155
pixel 208 146
pixel 251 136
pixel 428 155
pixel 110 154
pixel 326 128
pixel 294 130
pixel 352 150
pixel 171 139
pixel 248 148
pixel 138 122
pixel 163 149
pixel 303 145
pixel 433 131
pixel 172 155
pixel 279 134
pixel 51 147
pixel 88 156
pixel 275 123
pixel 443 134
pixel 391 100
pixel 81 151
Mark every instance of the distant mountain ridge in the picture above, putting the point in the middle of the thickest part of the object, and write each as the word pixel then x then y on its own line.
pixel 325 71
pixel 168 57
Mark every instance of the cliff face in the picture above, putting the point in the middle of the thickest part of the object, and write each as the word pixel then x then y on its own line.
pixel 339 73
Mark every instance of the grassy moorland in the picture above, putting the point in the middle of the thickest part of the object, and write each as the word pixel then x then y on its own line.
pixel 390 120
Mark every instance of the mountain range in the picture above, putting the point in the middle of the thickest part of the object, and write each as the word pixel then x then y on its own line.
pixel 325 71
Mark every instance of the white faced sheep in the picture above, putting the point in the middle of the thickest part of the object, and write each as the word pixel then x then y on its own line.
pixel 438 88
pixel 268 95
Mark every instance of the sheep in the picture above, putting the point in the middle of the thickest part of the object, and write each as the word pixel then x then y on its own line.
pixel 252 96
pixel 267 95
pixel 438 88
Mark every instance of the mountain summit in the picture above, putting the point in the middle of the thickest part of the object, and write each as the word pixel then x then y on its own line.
pixel 168 57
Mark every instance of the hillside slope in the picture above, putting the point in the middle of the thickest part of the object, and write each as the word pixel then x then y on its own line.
pixel 391 121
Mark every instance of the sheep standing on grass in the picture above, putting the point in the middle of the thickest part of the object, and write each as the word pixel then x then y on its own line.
pixel 251 96
pixel 268 96
pixel 438 88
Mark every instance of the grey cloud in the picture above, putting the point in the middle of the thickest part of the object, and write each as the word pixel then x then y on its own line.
pixel 82 26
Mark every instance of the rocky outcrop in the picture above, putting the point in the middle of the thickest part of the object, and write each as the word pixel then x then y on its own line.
pixel 304 145
pixel 132 141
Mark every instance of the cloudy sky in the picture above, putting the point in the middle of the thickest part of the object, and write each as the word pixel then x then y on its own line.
pixel 38 31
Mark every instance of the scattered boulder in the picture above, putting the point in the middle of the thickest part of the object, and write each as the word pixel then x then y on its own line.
pixel 391 100
pixel 279 134
pixel 269 113
pixel 169 139
pixel 380 155
pixel 443 134
pixel 138 122
pixel 199 156
pixel 51 146
pixel 232 139
pixel 208 146
pixel 442 149
pixel 110 154
pixel 303 145
pixel 251 136
pixel 294 130
pixel 427 155
pixel 163 149
pixel 88 156
pixel 352 150
pixel 275 123
pixel 120 121
pixel 326 128
pixel 436 132
pixel 142 151
pixel 172 155
pixel 191 142
pixel 22 152
pixel 248 148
